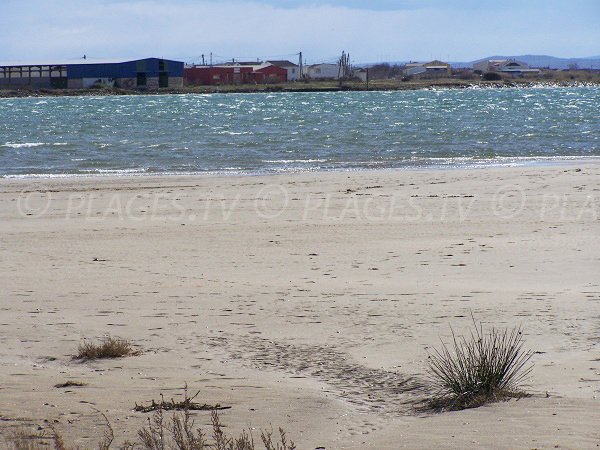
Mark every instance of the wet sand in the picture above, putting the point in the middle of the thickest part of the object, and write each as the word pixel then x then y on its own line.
pixel 308 301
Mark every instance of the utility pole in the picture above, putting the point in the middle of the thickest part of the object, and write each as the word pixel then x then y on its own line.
pixel 301 68
pixel 211 58
pixel 203 59
pixel 347 66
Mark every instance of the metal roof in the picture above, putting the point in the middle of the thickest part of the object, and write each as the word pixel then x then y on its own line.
pixel 323 64
pixel 517 69
pixel 254 67
pixel 282 63
pixel 70 62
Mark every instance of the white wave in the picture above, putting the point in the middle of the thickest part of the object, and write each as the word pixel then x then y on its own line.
pixel 235 133
pixel 22 145
pixel 114 171
pixel 287 161
pixel 340 166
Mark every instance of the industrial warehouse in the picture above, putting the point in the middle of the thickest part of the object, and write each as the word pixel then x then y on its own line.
pixel 149 73
pixel 236 73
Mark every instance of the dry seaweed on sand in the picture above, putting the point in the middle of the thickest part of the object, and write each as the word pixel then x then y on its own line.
pixel 70 383
pixel 187 404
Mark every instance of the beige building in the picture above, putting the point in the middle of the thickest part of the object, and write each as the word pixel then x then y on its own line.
pixel 431 68
pixel 510 66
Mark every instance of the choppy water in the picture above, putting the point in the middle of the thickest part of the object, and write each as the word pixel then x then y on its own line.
pixel 272 133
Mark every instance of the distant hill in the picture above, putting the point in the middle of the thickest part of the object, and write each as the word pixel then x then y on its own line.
pixel 537 61
pixel 543 61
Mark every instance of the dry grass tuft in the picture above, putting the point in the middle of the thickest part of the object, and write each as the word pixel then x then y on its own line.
pixel 109 435
pixel 109 348
pixel 24 439
pixel 180 433
pixel 479 369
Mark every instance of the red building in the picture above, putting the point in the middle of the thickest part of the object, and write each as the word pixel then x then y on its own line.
pixel 234 74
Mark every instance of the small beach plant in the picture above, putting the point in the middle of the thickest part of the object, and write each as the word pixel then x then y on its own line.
pixel 478 369
pixel 109 348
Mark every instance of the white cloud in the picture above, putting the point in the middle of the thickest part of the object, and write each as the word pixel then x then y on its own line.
pixel 185 29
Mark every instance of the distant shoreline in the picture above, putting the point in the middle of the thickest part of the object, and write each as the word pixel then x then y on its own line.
pixel 321 86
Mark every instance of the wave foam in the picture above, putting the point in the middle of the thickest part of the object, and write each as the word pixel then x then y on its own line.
pixel 22 145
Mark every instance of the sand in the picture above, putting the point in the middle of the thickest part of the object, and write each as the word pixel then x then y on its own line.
pixel 304 300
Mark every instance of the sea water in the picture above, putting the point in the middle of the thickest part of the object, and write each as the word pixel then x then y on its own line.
pixel 288 132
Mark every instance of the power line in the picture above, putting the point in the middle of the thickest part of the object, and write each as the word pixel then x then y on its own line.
pixel 253 57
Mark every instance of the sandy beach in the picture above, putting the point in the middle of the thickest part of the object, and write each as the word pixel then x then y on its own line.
pixel 308 301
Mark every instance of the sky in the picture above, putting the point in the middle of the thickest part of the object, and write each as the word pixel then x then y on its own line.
pixel 371 31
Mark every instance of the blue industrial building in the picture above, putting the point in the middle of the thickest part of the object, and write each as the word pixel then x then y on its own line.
pixel 150 73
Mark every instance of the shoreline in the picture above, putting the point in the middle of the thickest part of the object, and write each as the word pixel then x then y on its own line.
pixel 374 86
pixel 522 162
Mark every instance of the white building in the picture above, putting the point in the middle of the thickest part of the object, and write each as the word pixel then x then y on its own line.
pixel 361 74
pixel 504 66
pixel 322 71
pixel 293 70
pixel 433 68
